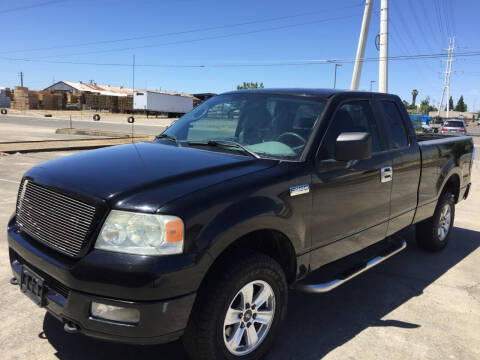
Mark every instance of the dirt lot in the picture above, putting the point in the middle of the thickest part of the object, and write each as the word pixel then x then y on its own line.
pixel 414 306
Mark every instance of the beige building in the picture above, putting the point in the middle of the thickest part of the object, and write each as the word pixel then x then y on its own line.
pixel 468 115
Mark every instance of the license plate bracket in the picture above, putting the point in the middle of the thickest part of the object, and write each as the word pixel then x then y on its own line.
pixel 32 285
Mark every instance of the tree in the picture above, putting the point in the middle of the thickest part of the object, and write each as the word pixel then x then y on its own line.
pixel 425 106
pixel 450 101
pixel 414 96
pixel 250 85
pixel 461 106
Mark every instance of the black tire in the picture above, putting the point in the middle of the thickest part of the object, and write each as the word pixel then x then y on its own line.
pixel 3 111
pixel 96 117
pixel 427 232
pixel 204 336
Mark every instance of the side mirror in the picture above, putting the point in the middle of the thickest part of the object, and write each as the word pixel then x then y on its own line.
pixel 353 146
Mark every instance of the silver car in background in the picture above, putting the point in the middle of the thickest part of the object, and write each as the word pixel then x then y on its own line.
pixel 454 127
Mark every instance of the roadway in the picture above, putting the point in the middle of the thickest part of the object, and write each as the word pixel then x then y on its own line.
pixel 25 128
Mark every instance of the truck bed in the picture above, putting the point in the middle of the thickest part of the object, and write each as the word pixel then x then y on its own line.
pixel 440 155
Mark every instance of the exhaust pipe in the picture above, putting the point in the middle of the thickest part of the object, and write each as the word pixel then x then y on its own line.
pixel 71 328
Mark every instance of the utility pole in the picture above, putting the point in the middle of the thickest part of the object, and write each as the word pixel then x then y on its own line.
pixel 448 72
pixel 383 61
pixel 357 70
pixel 371 84
pixel 335 76
pixel 133 74
pixel 21 78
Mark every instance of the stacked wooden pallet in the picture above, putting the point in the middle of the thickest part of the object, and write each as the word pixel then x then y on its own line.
pixel 72 99
pixel 92 101
pixel 20 98
pixel 33 101
pixel 53 101
pixel 125 103
pixel 107 102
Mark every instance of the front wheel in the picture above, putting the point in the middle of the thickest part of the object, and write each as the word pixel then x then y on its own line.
pixel 239 314
pixel 433 234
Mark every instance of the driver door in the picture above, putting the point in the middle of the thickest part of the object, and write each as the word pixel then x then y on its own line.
pixel 351 204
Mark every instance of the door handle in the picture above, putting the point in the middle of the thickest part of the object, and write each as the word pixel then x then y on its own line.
pixel 386 174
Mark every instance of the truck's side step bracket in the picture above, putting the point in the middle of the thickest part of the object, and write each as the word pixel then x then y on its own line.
pixel 330 285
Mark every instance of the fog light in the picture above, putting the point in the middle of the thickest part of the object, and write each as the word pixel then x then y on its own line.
pixel 115 313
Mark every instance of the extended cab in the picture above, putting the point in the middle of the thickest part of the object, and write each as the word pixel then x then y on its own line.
pixel 200 233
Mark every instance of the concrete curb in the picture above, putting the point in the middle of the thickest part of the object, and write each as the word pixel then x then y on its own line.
pixel 93 132
pixel 66 145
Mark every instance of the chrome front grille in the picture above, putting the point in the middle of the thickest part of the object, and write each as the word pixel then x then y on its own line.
pixel 54 219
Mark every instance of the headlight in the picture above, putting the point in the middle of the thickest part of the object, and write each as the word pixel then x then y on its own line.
pixel 144 234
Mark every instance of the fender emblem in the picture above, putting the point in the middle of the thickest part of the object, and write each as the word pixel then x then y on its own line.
pixel 299 190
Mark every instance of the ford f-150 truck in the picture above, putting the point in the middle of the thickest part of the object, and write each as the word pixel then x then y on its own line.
pixel 199 234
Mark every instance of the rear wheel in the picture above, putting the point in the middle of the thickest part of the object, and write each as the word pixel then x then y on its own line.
pixel 433 234
pixel 239 314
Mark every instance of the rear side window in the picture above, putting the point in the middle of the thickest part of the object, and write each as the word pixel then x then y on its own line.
pixel 457 124
pixel 395 122
pixel 354 116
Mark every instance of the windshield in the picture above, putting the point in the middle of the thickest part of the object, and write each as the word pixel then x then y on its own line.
pixel 272 126
pixel 456 124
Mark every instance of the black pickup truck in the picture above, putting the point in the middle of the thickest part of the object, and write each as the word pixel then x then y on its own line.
pixel 199 234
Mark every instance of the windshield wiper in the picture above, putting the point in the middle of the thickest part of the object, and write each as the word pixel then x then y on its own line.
pixel 226 143
pixel 168 137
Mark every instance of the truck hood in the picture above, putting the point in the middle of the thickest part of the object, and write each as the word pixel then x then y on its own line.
pixel 143 176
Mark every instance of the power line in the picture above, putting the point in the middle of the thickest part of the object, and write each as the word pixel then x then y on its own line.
pixel 406 27
pixel 420 25
pixel 214 37
pixel 260 64
pixel 439 18
pixel 417 66
pixel 209 28
pixel 432 31
pixel 452 17
pixel 27 7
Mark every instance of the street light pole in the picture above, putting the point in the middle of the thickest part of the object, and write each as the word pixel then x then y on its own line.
pixel 335 76
pixel 371 84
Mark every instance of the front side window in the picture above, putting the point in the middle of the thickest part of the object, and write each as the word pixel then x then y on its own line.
pixel 353 116
pixel 272 126
pixel 395 122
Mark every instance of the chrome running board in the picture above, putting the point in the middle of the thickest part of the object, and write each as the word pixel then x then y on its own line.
pixel 325 287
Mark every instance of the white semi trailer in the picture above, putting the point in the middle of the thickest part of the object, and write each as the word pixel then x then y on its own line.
pixel 160 102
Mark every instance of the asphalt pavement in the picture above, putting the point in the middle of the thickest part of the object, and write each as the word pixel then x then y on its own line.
pixel 21 128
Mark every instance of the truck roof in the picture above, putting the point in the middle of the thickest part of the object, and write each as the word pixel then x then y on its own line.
pixel 325 93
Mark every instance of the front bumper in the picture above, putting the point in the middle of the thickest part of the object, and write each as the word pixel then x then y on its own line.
pixel 160 321
pixel 70 292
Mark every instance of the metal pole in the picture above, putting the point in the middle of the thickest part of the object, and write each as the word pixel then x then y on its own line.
pixel 446 82
pixel 357 70
pixel 371 84
pixel 383 63
pixel 449 72
pixel 335 76
pixel 71 121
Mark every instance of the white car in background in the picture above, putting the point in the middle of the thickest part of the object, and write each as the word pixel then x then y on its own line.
pixel 454 127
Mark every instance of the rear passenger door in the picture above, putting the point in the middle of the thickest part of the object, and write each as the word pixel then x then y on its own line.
pixel 351 204
pixel 406 164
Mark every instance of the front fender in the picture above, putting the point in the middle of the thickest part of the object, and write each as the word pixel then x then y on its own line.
pixel 253 214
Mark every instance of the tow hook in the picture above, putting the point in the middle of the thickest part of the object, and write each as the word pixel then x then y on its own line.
pixel 14 281
pixel 71 328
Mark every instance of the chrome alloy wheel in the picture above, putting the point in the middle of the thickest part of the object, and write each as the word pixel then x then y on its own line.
pixel 444 222
pixel 249 318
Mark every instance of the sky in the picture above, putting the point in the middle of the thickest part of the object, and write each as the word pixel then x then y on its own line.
pixel 212 46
